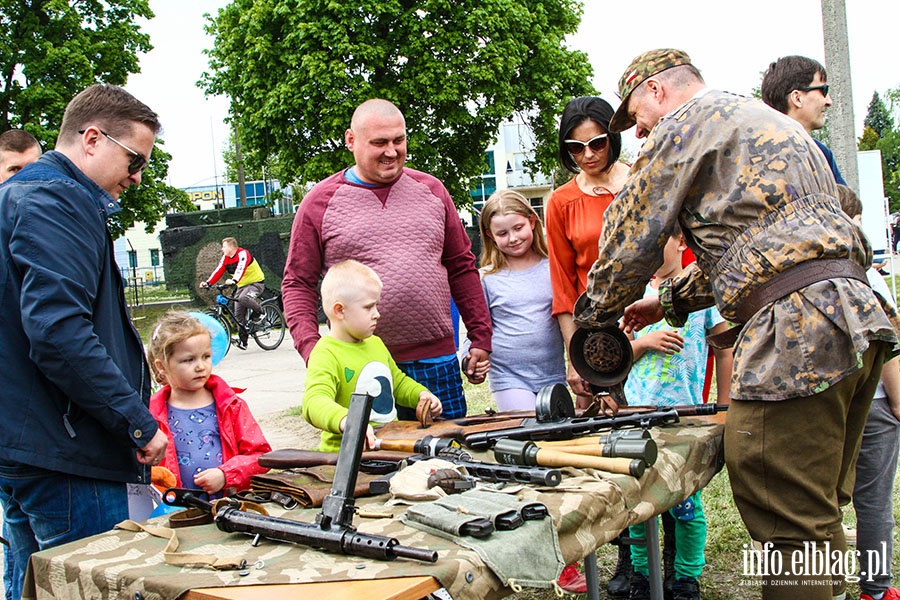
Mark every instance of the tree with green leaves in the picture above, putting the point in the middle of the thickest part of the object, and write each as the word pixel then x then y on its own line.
pixel 868 139
pixel 878 117
pixel 890 166
pixel 233 162
pixel 296 69
pixel 149 202
pixel 50 51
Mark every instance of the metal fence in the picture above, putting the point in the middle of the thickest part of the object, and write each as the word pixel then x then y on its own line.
pixel 152 275
pixel 137 281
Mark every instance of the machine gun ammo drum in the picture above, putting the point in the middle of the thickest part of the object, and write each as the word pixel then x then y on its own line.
pixel 603 355
pixel 553 403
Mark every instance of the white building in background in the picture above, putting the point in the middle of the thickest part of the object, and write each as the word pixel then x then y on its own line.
pixel 506 158
pixel 139 255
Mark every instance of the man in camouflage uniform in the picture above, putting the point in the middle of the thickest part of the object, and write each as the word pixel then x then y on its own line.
pixel 755 199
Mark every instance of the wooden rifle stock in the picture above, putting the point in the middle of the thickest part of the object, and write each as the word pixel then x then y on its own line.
pixel 459 429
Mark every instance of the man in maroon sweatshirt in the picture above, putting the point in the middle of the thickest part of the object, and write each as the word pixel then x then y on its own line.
pixel 403 224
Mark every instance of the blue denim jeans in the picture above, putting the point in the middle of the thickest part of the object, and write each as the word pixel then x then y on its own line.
pixel 43 509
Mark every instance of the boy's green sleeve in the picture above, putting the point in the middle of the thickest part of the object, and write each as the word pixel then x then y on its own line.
pixel 321 407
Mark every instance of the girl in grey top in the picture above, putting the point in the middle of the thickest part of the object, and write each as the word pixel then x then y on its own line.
pixel 527 343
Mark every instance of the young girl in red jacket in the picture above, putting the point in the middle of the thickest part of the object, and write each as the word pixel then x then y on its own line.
pixel 214 441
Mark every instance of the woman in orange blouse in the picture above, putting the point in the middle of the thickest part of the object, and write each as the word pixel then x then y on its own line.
pixel 574 219
pixel 575 210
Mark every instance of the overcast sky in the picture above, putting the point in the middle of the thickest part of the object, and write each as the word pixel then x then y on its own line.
pixel 730 45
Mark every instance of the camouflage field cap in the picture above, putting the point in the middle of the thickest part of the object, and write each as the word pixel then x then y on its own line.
pixel 642 68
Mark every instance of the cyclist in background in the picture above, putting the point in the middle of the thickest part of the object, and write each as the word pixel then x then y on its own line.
pixel 247 274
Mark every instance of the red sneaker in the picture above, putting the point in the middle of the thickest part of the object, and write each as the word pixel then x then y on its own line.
pixel 892 593
pixel 572 581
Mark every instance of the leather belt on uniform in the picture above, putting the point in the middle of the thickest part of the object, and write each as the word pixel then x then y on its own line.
pixel 784 283
pixel 796 278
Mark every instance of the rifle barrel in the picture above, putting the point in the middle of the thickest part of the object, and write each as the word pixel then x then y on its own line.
pixel 415 553
pixel 339 540
pixel 571 428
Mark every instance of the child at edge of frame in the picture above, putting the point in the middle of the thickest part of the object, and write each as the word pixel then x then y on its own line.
pixel 351 358
pixel 669 368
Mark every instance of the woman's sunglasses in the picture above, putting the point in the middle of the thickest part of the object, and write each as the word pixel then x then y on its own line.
pixel 597 144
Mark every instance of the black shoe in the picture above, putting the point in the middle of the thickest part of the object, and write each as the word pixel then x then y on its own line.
pixel 620 584
pixel 640 587
pixel 241 344
pixel 686 588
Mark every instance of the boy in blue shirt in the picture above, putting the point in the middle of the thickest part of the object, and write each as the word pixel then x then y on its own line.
pixel 670 368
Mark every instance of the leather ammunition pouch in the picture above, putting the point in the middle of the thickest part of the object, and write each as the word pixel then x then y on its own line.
pixel 308 487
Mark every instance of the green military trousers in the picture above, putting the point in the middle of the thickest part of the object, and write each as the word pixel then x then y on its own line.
pixel 791 464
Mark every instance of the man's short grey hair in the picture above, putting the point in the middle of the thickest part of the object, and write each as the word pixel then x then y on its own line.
pixel 677 77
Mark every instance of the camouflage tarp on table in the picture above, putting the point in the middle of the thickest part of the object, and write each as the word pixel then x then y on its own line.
pixel 589 508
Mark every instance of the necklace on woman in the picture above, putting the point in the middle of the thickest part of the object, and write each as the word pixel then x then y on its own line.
pixel 599 190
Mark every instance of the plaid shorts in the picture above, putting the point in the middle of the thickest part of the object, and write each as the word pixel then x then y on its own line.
pixel 443 379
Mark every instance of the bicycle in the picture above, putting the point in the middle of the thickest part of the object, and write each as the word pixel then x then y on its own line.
pixel 267 331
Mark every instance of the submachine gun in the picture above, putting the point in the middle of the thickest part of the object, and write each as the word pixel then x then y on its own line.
pixel 574 427
pixel 333 530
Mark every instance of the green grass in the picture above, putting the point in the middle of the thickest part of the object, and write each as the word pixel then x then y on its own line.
pixel 725 541
pixel 144 316
pixel 892 280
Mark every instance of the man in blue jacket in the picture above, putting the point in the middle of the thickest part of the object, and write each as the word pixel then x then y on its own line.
pixel 75 426
pixel 796 86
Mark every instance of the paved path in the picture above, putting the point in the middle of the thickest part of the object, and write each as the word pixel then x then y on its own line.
pixel 273 378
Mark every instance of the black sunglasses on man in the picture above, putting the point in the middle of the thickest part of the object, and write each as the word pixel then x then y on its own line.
pixel 822 88
pixel 138 160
